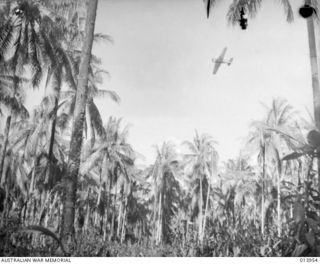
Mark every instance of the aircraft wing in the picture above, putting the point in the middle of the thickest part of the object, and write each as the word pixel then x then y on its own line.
pixel 221 57
pixel 216 67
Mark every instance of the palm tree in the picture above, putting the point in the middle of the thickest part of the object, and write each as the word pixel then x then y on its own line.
pixel 138 208
pixel 65 35
pixel 115 158
pixel 199 163
pixel 239 174
pixel 60 71
pixel 24 42
pixel 29 140
pixel 313 28
pixel 251 6
pixel 93 121
pixel 270 146
pixel 77 129
pixel 13 99
pixel 280 116
pixel 163 174
pixel 259 138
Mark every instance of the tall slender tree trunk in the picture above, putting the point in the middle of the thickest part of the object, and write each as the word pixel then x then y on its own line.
pixel 159 229
pixel 109 203
pixel 104 227
pixel 200 211
pixel 33 175
pixel 205 213
pixel 3 170
pixel 279 200
pixel 4 148
pixel 113 212
pixel 100 186
pixel 300 169
pixel 262 194
pixel 69 203
pixel 306 184
pixel 90 132
pixel 124 221
pixel 53 128
pixel 208 195
pixel 120 217
pixel 254 213
pixel 206 208
pixel 57 90
pixel 313 27
pixel 121 212
pixel 53 131
pixel 155 219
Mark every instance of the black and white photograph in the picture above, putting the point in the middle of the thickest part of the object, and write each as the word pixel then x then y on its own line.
pixel 159 128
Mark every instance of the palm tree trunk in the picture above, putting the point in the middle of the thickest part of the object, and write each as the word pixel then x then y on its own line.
pixel 313 27
pixel 120 218
pixel 205 213
pixel 87 219
pixel 200 211
pixel 300 169
pixel 33 175
pixel 90 134
pixel 57 89
pixel 68 216
pixel 52 136
pixel 4 148
pixel 95 218
pixel 208 195
pixel 254 213
pixel 306 183
pixel 53 205
pixel 53 128
pixel 155 219
pixel 123 231
pixel 121 213
pixel 109 203
pixel 279 202
pixel 262 194
pixel 104 227
pixel 262 215
pixel 158 239
pixel 100 186
pixel 113 213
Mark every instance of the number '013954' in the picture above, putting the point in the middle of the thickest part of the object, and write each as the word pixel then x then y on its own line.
pixel 310 260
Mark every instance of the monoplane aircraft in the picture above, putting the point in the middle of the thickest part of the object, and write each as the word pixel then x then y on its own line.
pixel 220 60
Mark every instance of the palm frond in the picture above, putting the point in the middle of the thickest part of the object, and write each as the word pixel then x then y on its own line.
pixel 98 37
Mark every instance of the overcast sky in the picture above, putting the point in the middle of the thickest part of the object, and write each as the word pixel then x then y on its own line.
pixel 160 65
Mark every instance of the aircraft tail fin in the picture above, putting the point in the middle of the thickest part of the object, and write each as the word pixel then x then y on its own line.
pixel 230 61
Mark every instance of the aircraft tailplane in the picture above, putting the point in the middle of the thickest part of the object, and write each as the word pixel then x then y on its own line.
pixel 230 61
